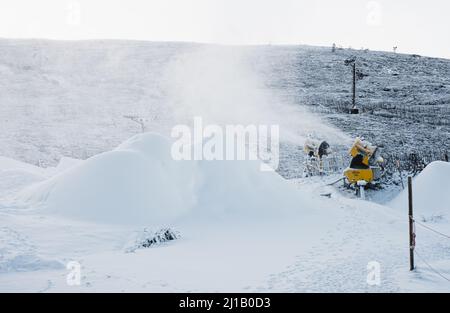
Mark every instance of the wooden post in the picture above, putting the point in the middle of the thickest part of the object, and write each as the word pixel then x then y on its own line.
pixel 412 235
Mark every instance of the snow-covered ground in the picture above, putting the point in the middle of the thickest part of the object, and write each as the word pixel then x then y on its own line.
pixel 91 189
pixel 241 229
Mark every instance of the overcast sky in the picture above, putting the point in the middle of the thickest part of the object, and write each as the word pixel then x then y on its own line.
pixel 415 26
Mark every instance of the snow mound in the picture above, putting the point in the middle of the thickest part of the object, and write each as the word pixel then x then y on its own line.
pixel 10 164
pixel 16 175
pixel 66 163
pixel 139 183
pixel 431 192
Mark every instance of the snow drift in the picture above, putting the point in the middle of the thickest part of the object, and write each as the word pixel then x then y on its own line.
pixel 15 175
pixel 431 192
pixel 7 164
pixel 139 183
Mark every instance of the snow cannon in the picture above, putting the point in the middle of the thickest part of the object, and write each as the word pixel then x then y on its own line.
pixel 315 148
pixel 316 151
pixel 366 163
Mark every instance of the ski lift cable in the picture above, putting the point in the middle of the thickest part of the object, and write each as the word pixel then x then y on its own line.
pixel 431 229
pixel 430 267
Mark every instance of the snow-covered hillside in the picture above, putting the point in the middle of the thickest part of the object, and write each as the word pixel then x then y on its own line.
pixel 60 98
pixel 405 98
pixel 84 188
pixel 72 98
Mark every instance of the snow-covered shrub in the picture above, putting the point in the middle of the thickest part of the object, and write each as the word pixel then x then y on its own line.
pixel 161 236
pixel 148 238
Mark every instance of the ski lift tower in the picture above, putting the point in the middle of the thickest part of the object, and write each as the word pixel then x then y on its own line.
pixel 352 62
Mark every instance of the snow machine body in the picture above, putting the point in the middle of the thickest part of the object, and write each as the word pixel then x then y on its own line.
pixel 365 165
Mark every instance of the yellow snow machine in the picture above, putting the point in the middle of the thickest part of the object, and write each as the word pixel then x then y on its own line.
pixel 366 166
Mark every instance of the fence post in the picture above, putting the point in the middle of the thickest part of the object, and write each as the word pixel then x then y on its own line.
pixel 412 235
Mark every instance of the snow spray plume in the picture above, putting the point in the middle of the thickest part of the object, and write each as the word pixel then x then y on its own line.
pixel 218 84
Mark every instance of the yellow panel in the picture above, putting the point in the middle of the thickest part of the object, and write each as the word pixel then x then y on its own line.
pixel 366 160
pixel 354 175
pixel 354 151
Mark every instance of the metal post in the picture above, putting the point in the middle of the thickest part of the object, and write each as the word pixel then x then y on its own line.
pixel 354 86
pixel 361 185
pixel 412 235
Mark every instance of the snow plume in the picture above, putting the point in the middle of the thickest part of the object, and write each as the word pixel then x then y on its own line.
pixel 218 84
